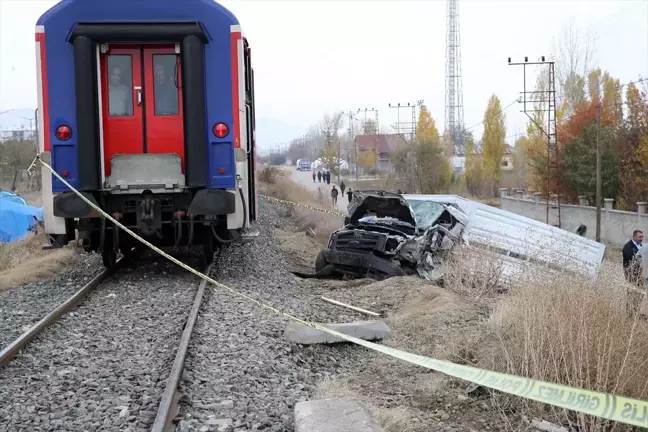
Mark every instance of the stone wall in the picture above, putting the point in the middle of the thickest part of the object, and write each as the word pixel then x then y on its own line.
pixel 616 225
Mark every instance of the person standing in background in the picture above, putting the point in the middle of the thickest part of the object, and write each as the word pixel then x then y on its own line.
pixel 631 266
pixel 334 195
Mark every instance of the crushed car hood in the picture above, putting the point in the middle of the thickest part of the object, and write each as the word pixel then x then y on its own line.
pixel 380 204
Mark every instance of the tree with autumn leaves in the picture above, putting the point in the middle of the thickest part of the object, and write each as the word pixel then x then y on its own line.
pixel 623 138
pixel 493 141
pixel 423 164
pixel 483 169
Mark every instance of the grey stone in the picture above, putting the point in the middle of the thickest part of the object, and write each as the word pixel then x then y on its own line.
pixel 333 415
pixel 85 371
pixel 226 404
pixel 121 347
pixel 238 352
pixel 221 424
pixel 367 330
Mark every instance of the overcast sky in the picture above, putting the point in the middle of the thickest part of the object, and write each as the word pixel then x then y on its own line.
pixel 313 57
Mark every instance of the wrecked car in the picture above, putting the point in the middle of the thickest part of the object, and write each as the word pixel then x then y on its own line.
pixel 387 234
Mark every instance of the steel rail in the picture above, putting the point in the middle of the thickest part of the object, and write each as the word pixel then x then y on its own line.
pixel 14 347
pixel 169 405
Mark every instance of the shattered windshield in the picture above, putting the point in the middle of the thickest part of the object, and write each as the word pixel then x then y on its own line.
pixel 426 213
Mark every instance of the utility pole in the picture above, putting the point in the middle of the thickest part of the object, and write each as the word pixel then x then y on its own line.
pixel 598 172
pixel 31 122
pixel 375 119
pixel 410 127
pixel 31 125
pixel 355 146
pixel 542 97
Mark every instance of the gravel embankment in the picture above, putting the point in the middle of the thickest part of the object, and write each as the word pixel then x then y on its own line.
pixel 103 366
pixel 241 374
pixel 24 306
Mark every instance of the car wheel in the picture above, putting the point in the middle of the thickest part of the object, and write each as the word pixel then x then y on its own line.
pixel 320 262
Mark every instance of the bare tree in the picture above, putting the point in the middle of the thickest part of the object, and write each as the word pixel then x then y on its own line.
pixel 330 126
pixel 369 127
pixel 15 157
pixel 574 54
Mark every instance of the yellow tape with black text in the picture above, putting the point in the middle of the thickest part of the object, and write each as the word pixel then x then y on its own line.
pixel 599 404
pixel 280 201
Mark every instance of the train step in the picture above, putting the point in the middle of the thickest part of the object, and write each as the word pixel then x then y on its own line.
pixel 249 236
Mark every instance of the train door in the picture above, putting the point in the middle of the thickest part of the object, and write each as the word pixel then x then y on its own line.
pixel 251 127
pixel 141 101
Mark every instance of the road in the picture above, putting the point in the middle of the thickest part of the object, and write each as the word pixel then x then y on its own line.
pixel 305 178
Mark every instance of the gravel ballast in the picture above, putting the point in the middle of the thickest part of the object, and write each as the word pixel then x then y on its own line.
pixel 104 365
pixel 241 374
pixel 24 306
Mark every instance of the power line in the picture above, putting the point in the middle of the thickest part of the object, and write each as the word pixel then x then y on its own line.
pixel 484 121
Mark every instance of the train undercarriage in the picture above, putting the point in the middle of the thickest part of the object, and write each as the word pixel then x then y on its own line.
pixel 166 220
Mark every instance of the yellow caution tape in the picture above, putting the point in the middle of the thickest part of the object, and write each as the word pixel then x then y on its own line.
pixel 332 212
pixel 604 405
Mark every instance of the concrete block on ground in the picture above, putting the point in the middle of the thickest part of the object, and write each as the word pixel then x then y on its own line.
pixel 367 330
pixel 333 415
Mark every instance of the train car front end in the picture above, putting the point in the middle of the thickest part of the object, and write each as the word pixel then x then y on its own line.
pixel 148 111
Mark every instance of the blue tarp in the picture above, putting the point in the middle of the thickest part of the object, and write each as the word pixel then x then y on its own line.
pixel 16 219
pixel 12 196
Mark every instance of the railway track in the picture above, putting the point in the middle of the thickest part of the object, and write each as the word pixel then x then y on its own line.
pixel 131 347
pixel 169 405
pixel 10 351
pixel 117 361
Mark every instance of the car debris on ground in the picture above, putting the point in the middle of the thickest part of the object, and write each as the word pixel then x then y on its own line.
pixel 387 234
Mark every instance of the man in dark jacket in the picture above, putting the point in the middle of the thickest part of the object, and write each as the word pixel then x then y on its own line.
pixel 342 187
pixel 334 195
pixel 349 195
pixel 631 266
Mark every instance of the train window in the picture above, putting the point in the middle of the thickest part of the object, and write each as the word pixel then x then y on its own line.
pixel 165 85
pixel 120 83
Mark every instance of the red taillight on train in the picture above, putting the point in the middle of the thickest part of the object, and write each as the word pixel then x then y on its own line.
pixel 220 130
pixel 63 133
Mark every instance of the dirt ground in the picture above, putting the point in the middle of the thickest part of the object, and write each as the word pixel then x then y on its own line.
pixel 25 261
pixel 424 319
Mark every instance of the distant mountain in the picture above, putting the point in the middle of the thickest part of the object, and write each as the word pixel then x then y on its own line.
pixel 17 119
pixel 270 132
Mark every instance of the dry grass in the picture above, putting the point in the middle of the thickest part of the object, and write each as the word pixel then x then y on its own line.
pixel 275 183
pixel 24 261
pixel 468 273
pixel 300 247
pixel 557 328
pixel 424 319
pixel 574 332
pixel 562 329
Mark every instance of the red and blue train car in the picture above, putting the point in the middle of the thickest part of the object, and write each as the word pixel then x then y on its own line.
pixel 147 108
